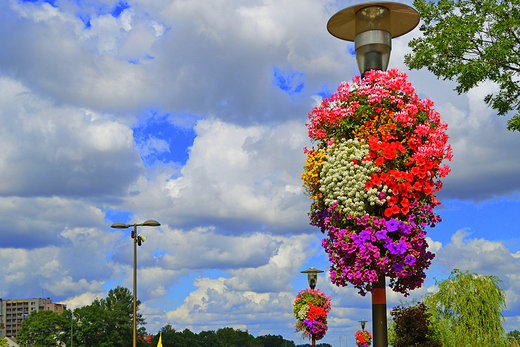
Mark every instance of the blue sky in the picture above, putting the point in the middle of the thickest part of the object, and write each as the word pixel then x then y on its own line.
pixel 193 113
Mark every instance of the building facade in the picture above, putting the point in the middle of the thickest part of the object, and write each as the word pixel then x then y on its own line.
pixel 13 312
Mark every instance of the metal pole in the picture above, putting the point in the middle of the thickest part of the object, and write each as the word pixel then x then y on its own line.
pixel 379 313
pixel 135 282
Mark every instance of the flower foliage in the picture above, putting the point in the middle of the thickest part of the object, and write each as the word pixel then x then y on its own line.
pixel 310 309
pixel 412 327
pixel 372 177
pixel 363 338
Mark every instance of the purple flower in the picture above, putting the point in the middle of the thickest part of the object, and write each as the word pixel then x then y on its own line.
pixel 392 225
pixel 398 266
pixel 364 235
pixel 357 240
pixel 406 228
pixel 381 234
pixel 394 248
pixel 409 260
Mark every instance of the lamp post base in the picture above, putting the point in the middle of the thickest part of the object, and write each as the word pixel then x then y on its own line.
pixel 379 325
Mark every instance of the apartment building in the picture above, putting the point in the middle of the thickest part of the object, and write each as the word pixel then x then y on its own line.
pixel 13 312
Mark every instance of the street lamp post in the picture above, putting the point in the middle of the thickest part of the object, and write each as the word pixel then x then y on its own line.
pixel 138 240
pixel 312 278
pixel 71 327
pixel 371 26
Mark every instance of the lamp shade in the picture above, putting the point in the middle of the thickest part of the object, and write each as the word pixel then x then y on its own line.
pixel 372 25
pixel 312 276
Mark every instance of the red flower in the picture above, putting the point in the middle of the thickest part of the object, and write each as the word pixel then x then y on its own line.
pixel 389 153
pixel 406 187
pixel 379 161
pixel 376 180
pixel 368 185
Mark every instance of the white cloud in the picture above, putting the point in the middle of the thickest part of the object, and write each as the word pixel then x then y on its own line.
pixel 234 174
pixel 76 151
pixel 488 257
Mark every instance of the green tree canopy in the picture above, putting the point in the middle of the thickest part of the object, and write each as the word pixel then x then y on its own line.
pixel 117 311
pixel 106 322
pixel 3 342
pixel 274 341
pixel 471 41
pixel 513 337
pixel 467 310
pixel 43 329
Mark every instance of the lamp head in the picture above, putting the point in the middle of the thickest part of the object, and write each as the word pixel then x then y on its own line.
pixel 312 276
pixel 119 225
pixel 372 25
pixel 151 223
pixel 363 322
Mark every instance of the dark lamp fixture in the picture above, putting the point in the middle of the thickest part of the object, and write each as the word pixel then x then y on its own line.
pixel 371 26
pixel 363 322
pixel 312 276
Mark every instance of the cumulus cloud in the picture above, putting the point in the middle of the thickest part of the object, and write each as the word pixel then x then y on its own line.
pixel 62 271
pixel 39 222
pixel 64 151
pixel 202 309
pixel 488 257
pixel 247 175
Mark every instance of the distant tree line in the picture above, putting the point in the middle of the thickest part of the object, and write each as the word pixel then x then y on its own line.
pixel 223 337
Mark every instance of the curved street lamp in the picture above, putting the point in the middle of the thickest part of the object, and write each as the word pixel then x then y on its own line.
pixel 138 240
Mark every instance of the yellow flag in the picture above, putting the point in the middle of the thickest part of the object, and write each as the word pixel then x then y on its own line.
pixel 160 340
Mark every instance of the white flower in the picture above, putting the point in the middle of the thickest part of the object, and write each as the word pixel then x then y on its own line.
pixel 344 183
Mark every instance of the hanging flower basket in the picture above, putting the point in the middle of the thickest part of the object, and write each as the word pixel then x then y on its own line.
pixel 363 338
pixel 372 176
pixel 310 309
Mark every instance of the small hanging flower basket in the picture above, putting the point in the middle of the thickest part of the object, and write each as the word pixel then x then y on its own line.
pixel 310 309
pixel 363 338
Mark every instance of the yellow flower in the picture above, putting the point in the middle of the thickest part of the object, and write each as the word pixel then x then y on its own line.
pixel 311 173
